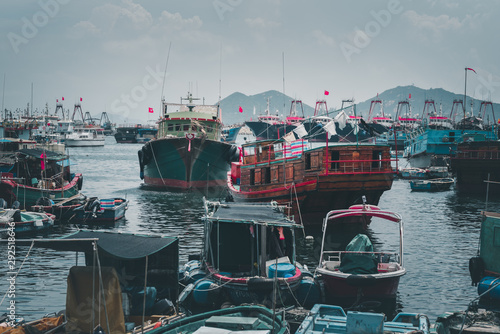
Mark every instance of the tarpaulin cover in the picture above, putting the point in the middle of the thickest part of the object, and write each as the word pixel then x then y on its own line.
pixel 359 263
pixel 79 301
pixel 120 245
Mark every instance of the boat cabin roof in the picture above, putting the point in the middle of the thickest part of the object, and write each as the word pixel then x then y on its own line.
pixel 363 210
pixel 249 213
pixel 37 152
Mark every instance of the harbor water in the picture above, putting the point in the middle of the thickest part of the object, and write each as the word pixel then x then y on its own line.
pixel 441 234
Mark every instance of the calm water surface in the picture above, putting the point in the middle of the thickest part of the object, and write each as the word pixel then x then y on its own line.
pixel 441 234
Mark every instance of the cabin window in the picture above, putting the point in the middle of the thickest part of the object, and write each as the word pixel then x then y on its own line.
pixel 266 175
pixel 194 128
pixel 452 137
pixel 377 159
pixel 185 127
pixel 177 127
pixel 496 236
pixel 308 161
pixel 210 129
pixel 252 177
pixel 334 160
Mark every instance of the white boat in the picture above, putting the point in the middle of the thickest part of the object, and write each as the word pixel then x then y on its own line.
pixel 81 137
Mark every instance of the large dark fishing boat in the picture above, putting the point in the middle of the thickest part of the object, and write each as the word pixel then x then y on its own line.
pixel 318 179
pixel 187 153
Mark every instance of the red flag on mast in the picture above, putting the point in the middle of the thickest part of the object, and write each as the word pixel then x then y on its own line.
pixel 151 110
pixel 63 98
pixel 327 92
pixel 470 69
pixel 80 99
pixel 240 109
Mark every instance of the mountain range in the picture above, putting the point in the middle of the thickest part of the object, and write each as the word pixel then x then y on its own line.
pixel 254 105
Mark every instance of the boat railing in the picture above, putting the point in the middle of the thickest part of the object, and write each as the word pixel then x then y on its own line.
pixel 333 259
pixel 359 166
pixel 493 154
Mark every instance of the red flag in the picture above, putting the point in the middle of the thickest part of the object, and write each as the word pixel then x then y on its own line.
pixel 57 100
pixel 63 98
pixel 327 92
pixel 240 109
pixel 80 99
pixel 151 110
pixel 42 161
pixel 470 69
pixel 410 96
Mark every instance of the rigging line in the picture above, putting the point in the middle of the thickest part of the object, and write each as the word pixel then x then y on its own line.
pixel 298 208
pixel 157 167
pixel 20 267
pixel 165 76
pixel 102 291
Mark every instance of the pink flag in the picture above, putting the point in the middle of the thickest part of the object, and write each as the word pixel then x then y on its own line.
pixel 409 96
pixel 57 100
pixel 240 109
pixel 327 92
pixel 80 99
pixel 470 69
pixel 63 98
pixel 151 110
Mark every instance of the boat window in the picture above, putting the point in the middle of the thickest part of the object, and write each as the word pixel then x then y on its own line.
pixel 308 161
pixel 185 127
pixel 194 128
pixel 177 127
pixel 334 160
pixel 266 175
pixel 252 177
pixel 377 159
pixel 452 137
pixel 170 127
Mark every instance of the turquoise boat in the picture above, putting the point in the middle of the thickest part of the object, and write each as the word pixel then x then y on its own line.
pixel 440 184
pixel 188 152
pixel 240 319
pixel 331 319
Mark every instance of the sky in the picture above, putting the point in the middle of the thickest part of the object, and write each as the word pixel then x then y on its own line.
pixel 123 56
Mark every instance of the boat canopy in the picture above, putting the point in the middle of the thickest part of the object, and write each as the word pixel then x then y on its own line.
pixel 119 245
pixel 269 214
pixel 370 212
pixel 37 152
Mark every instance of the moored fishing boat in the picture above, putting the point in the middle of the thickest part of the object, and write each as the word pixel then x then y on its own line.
pixel 441 184
pixel 100 211
pixel 14 222
pixel 61 208
pixel 39 173
pixel 249 256
pixel 358 273
pixel 473 162
pixel 240 319
pixel 127 284
pixel 85 136
pixel 318 179
pixel 331 319
pixel 187 153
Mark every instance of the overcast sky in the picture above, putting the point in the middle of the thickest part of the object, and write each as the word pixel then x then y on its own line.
pixel 112 53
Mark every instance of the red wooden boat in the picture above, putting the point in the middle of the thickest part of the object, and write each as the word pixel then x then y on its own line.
pixel 314 180
pixel 359 273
